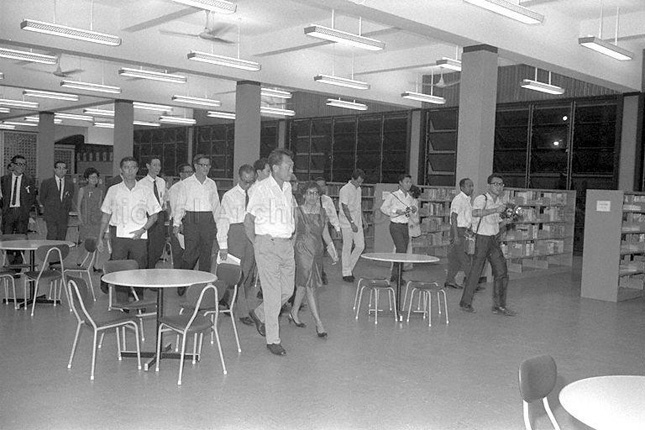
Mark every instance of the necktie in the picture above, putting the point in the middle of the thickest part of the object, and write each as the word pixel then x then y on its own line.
pixel 156 191
pixel 60 188
pixel 14 194
pixel 246 198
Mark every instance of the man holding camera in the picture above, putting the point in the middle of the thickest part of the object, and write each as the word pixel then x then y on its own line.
pixel 486 221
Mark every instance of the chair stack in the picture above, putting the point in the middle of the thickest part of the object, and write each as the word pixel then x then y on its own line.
pixel 375 286
pixel 424 291
pixel 46 255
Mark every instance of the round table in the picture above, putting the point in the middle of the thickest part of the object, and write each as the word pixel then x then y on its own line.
pixel 607 402
pixel 400 259
pixel 159 279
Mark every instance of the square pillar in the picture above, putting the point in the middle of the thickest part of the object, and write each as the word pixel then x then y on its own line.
pixel 123 133
pixel 45 146
pixel 247 124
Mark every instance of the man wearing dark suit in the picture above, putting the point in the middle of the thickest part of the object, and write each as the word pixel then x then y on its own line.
pixel 56 196
pixel 19 196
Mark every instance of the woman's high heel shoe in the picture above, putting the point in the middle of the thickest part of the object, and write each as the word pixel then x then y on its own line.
pixel 293 320
pixel 321 334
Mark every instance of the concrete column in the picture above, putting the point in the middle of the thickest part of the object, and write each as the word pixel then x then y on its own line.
pixel 247 124
pixel 123 132
pixel 282 133
pixel 629 142
pixel 190 137
pixel 415 146
pixel 477 105
pixel 45 146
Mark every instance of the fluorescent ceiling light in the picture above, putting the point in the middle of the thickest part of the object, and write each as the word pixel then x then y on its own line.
pixel 4 110
pixel 213 5
pixel 269 110
pixel 197 101
pixel 146 123
pixel 220 114
pixel 421 97
pixel 346 104
pixel 358 41
pixel 27 56
pixel 70 32
pixel 151 106
pixel 152 75
pixel 73 116
pixel 99 112
pixel 50 95
pixel 21 124
pixel 36 119
pixel 342 82
pixel 104 124
pixel 88 86
pixel 165 119
pixel 7 127
pixel 449 63
pixel 541 86
pixel 221 60
pixel 19 104
pixel 274 92
pixel 1 75
pixel 599 45
pixel 510 10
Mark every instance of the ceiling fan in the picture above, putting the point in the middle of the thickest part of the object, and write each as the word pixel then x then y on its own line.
pixel 441 83
pixel 64 73
pixel 211 32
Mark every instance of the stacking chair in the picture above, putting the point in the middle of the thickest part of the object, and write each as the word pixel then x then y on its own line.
pixel 424 291
pixel 375 286
pixel 82 306
pixel 7 276
pixel 90 247
pixel 47 254
pixel 195 323
pixel 537 379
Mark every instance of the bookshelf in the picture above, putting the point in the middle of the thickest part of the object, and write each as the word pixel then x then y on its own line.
pixel 613 260
pixel 368 211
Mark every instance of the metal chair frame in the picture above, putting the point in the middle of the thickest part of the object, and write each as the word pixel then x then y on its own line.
pixel 90 246
pixel 424 292
pixel 537 378
pixel 56 277
pixel 375 285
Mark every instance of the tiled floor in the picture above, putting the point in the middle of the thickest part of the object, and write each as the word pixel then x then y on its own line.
pixel 390 376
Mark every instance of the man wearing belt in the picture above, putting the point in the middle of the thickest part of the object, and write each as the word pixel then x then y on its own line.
pixel 270 224
pixel 184 170
pixel 197 208
pixel 350 216
pixel 232 238
pixel 460 219
pixel 157 233
pixel 130 209
pixel 487 222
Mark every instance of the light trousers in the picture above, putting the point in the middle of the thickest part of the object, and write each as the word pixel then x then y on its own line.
pixel 350 256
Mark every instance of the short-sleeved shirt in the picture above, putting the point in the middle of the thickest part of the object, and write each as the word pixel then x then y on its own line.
pixel 397 200
pixel 148 181
pixel 273 209
pixel 351 196
pixel 462 206
pixel 328 205
pixel 232 211
pixel 490 223
pixel 196 196
pixel 129 208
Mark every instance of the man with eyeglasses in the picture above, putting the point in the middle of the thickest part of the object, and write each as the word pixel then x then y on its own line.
pixel 19 196
pixel 184 170
pixel 197 208
pixel 56 195
pixel 232 238
pixel 486 223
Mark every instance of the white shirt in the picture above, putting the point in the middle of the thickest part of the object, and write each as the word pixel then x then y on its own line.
pixel 196 197
pixel 129 208
pixel 395 201
pixel 490 223
pixel 15 178
pixel 172 196
pixel 232 211
pixel 462 206
pixel 273 209
pixel 149 181
pixel 330 210
pixel 352 198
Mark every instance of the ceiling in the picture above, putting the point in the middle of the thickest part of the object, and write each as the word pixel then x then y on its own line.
pixel 416 33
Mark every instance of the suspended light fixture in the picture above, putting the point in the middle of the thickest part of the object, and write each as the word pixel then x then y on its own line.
pixel 510 10
pixel 151 75
pixel 36 119
pixel 610 49
pixel 196 101
pixel 70 32
pixel 21 124
pixel 4 110
pixel 343 37
pixel 221 60
pixel 4 126
pixel 100 124
pixel 422 97
pixel 346 104
pixel 212 5
pixel 166 119
pixel 146 123
pixel 449 63
pixel 151 106
pixel 342 82
pixel 50 95
pixel 275 92
pixel 73 116
pixel 542 87
pixel 99 112
pixel 275 111
pixel 88 86
pixel 31 57
pixel 220 114
pixel 19 104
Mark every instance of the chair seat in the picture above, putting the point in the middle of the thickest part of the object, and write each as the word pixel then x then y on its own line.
pixel 136 305
pixel 179 322
pixel 432 286
pixel 46 274
pixel 377 283
pixel 105 320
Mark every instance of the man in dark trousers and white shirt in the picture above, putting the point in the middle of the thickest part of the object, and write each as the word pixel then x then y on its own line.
pixel 56 196
pixel 461 210
pixel 156 233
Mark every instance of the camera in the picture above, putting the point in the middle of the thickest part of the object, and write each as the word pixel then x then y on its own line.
pixel 512 213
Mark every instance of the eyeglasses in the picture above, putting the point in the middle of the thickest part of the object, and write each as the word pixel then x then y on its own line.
pixel 204 164
pixel 20 164
pixel 312 192
pixel 499 184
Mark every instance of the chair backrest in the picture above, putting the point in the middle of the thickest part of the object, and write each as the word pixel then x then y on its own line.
pixel 230 274
pixel 201 296
pixel 82 301
pixel 538 376
pixel 90 244
pixel 52 253
pixel 119 265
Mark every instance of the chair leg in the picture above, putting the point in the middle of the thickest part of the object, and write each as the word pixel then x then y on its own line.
pixel 360 297
pixel 396 306
pixel 136 337
pixel 93 355
pixel 158 348
pixel 181 358
pixel 76 337
pixel 118 342
pixel 89 277
pixel 33 304
pixel 219 348
pixel 410 304
pixel 358 287
pixel 237 338
pixel 375 305
pixel 550 414
pixel 428 300
pixel 527 419
pixel 445 305
pixel 195 347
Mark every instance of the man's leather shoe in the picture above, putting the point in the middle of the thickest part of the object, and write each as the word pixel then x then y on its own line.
pixel 453 285
pixel 181 291
pixel 246 320
pixel 259 325
pixel 479 288
pixel 276 348
pixel 466 308
pixel 323 277
pixel 501 310
pixel 349 278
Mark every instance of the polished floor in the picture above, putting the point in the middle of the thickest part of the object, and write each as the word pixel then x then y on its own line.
pixel 461 375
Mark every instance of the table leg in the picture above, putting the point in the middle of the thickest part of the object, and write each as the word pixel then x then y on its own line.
pixel 399 281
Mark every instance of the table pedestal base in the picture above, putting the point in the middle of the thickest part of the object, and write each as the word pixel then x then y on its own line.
pixel 165 353
pixel 40 299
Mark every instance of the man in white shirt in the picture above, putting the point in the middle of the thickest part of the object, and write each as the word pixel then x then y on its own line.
pixel 156 233
pixel 350 216
pixel 487 222
pixel 232 238
pixel 184 170
pixel 130 209
pixel 460 219
pixel 270 225
pixel 328 205
pixel 197 208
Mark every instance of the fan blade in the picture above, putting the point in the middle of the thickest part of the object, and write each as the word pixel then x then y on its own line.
pixel 213 38
pixel 72 72
pixel 177 33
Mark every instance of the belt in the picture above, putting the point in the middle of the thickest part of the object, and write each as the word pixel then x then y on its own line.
pixel 274 238
pixel 199 212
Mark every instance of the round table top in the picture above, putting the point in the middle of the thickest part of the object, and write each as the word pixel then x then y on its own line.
pixel 607 402
pixel 158 278
pixel 394 257
pixel 31 244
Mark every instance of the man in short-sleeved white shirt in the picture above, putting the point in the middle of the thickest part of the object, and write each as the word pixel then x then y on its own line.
pixel 157 233
pixel 350 216
pixel 460 218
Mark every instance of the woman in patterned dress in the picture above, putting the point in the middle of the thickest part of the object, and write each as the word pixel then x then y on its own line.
pixel 88 203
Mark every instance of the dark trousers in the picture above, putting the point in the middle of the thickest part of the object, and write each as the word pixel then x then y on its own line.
pixel 487 248
pixel 240 246
pixel 177 250
pixel 199 234
pixel 457 258
pixel 156 240
pixel 15 221
pixel 401 236
pixel 56 228
pixel 128 249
